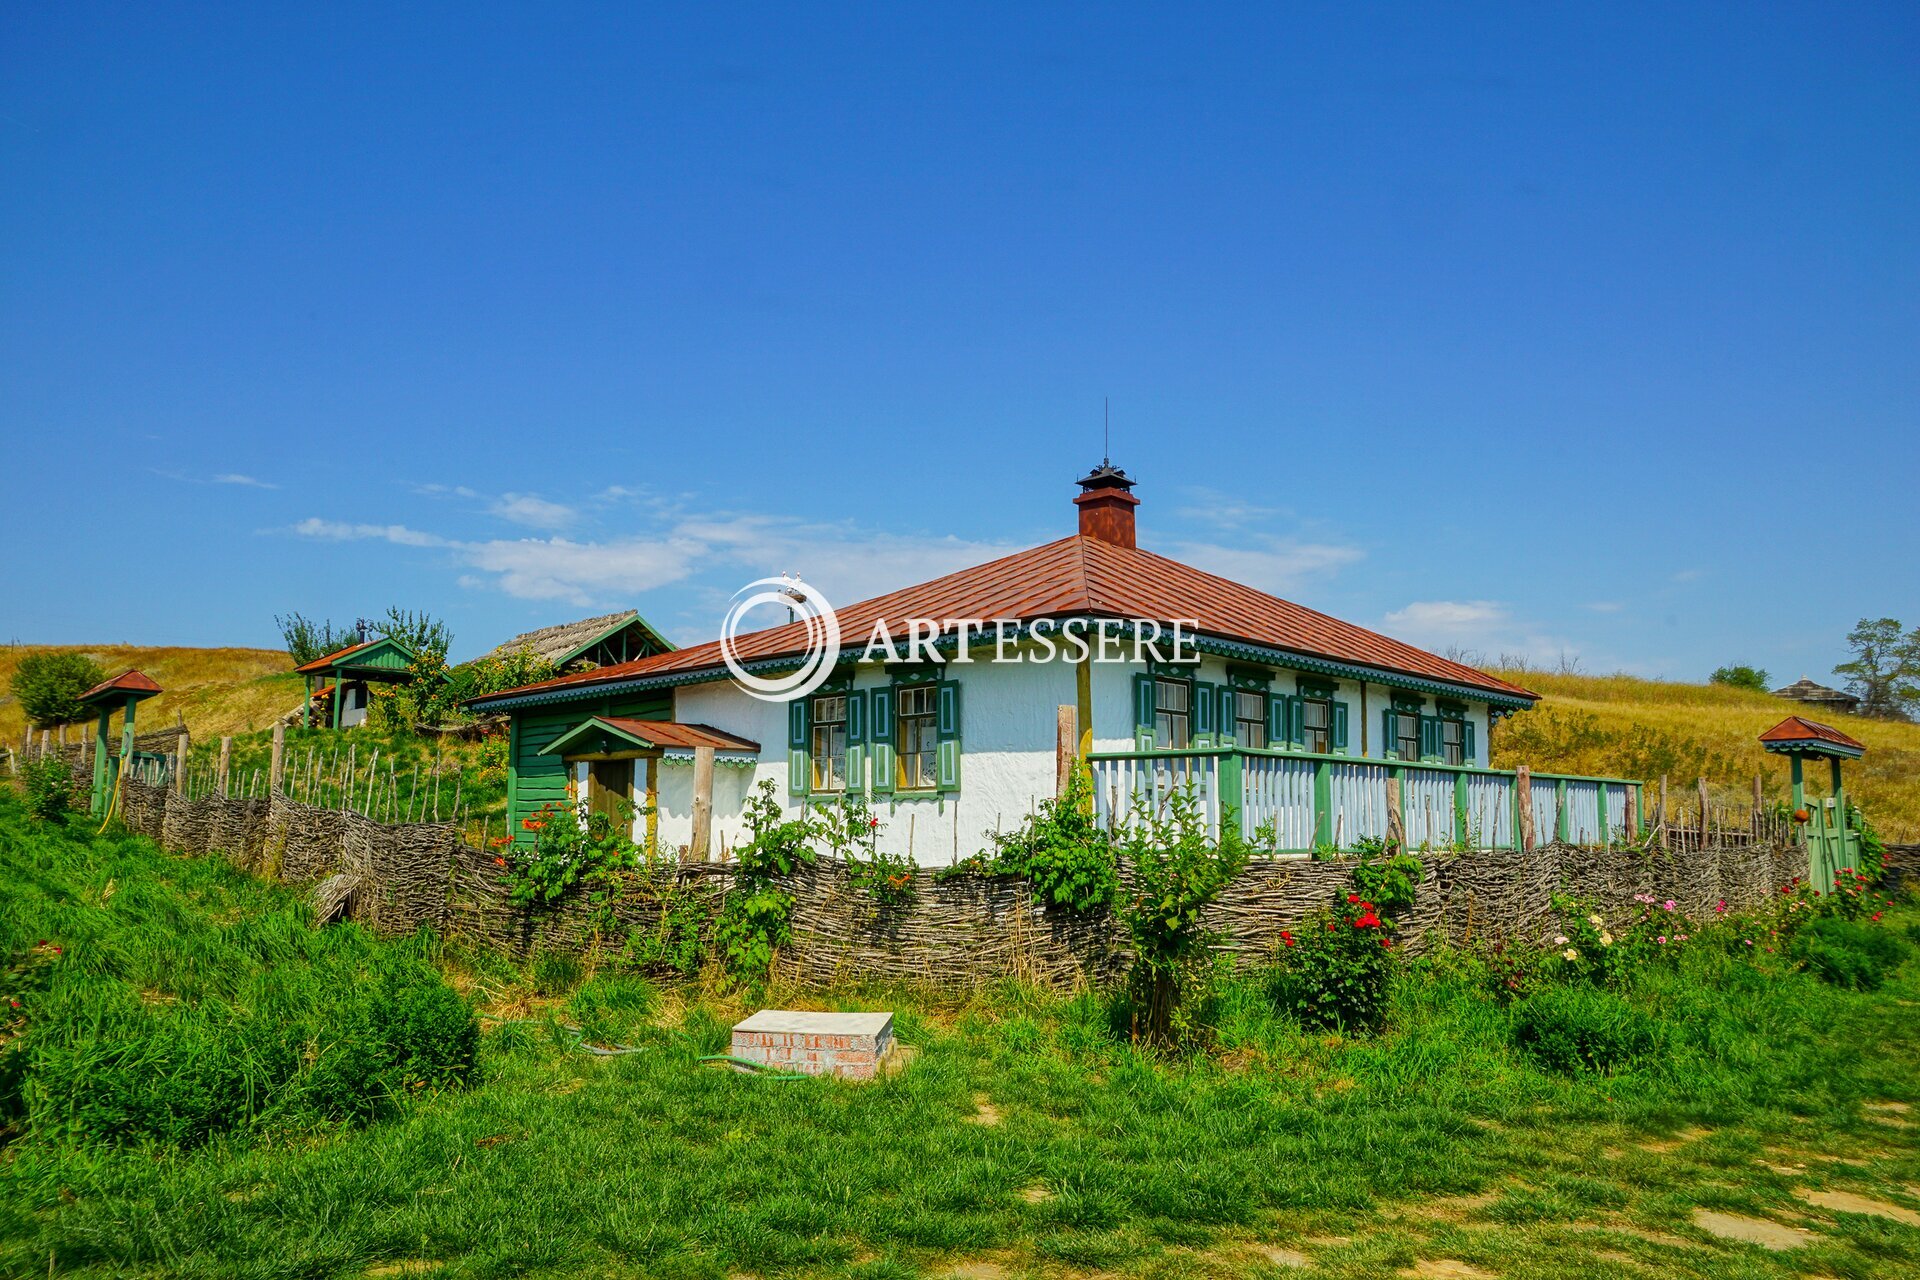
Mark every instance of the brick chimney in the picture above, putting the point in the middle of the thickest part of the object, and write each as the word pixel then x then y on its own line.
pixel 1106 506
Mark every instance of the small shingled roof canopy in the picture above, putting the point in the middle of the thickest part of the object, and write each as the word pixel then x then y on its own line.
pixel 126 690
pixel 1833 846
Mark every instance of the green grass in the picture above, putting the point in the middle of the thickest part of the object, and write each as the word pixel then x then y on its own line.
pixel 1024 1137
pixel 473 773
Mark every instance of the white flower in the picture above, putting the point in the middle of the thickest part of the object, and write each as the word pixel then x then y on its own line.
pixel 1606 939
pixel 1571 954
pixel 1560 941
pixel 1595 921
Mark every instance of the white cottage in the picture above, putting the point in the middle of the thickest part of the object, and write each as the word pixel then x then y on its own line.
pixel 1288 718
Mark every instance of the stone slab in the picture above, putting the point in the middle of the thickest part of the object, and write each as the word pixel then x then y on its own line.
pixel 799 1022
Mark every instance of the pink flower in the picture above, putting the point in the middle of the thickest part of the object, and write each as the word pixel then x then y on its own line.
pixel 1662 939
pixel 1668 904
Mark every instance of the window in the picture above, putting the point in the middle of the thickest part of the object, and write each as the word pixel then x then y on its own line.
pixel 1453 741
pixel 827 752
pixel 1250 718
pixel 1316 724
pixel 919 737
pixel 1406 735
pixel 1172 704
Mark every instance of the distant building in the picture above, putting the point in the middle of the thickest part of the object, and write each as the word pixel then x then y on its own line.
pixel 1818 695
pixel 604 641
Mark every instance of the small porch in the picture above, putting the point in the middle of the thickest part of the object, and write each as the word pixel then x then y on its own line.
pixel 615 764
pixel 344 679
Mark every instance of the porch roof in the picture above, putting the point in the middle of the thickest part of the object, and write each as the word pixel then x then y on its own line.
pixel 597 735
pixel 136 685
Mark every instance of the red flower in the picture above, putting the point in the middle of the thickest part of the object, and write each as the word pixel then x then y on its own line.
pixel 872 823
pixel 532 824
pixel 500 862
pixel 1387 943
pixel 1286 938
pixel 1353 899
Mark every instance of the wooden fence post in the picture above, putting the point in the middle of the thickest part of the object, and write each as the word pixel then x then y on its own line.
pixel 702 847
pixel 1660 815
pixel 1759 803
pixel 224 771
pixel 1066 746
pixel 1704 833
pixel 1396 818
pixel 46 743
pixel 180 762
pixel 1523 790
pixel 1633 812
pixel 277 768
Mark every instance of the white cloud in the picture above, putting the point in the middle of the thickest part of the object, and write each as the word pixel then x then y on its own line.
pixel 534 512
pixel 339 531
pixel 1274 565
pixel 247 481
pixel 1453 617
pixel 1225 510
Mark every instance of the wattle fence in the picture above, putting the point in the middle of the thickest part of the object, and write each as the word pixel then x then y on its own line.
pixel 957 931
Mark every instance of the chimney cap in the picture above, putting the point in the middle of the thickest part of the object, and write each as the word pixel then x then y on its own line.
pixel 1105 476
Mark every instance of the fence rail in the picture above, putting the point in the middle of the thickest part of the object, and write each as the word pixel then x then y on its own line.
pixel 1296 802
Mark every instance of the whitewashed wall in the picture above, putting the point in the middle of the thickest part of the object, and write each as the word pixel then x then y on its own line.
pixel 1007 762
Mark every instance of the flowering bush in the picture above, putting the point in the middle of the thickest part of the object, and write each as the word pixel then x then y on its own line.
pixel 1335 973
pixel 1389 883
pixel 756 917
pixel 1062 849
pixel 566 851
pixel 852 832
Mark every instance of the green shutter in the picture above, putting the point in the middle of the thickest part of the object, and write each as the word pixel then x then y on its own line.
pixel 1200 707
pixel 946 759
pixel 1337 732
pixel 880 733
pixel 1466 739
pixel 1389 742
pixel 1228 731
pixel 1429 737
pixel 1143 713
pixel 1297 721
pixel 856 742
pixel 1276 720
pixel 799 768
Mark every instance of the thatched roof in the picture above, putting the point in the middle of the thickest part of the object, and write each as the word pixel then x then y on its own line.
pixel 1805 690
pixel 558 643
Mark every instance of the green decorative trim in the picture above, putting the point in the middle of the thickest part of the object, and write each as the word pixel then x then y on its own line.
pixel 601 733
pixel 1242 677
pixel 1315 687
pixel 1814 747
pixel 1412 702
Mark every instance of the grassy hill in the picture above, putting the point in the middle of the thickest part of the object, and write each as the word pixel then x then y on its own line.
pixel 217 691
pixel 1628 727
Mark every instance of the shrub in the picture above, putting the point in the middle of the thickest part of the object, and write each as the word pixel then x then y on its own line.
pixel 568 850
pixel 1334 973
pixel 48 686
pixel 49 785
pixel 756 916
pixel 1177 870
pixel 1390 884
pixel 1846 953
pixel 1581 1028
pixel 1062 851
pixel 1740 676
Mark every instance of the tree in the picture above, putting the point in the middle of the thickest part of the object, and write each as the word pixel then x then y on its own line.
pixel 1884 672
pixel 48 686
pixel 307 640
pixel 421 632
pixel 1740 676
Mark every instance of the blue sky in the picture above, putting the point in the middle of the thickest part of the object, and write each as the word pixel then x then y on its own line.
pixel 1498 329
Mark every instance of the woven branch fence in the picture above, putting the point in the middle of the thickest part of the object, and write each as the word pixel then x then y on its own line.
pixel 955 932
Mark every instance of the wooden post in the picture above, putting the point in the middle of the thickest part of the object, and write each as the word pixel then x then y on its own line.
pixel 1759 802
pixel 1702 787
pixel 1660 815
pixel 224 771
pixel 277 768
pixel 1523 787
pixel 1396 820
pixel 180 763
pixel 1633 812
pixel 702 848
pixel 1066 747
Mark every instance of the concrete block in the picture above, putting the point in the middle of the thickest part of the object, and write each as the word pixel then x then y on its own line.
pixel 850 1045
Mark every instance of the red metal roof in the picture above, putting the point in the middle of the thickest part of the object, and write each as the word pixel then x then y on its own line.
pixel 1797 729
pixel 1080 576
pixel 322 664
pixel 133 682
pixel 666 733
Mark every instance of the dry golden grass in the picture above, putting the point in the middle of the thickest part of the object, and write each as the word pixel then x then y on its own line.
pixel 217 691
pixel 1624 726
